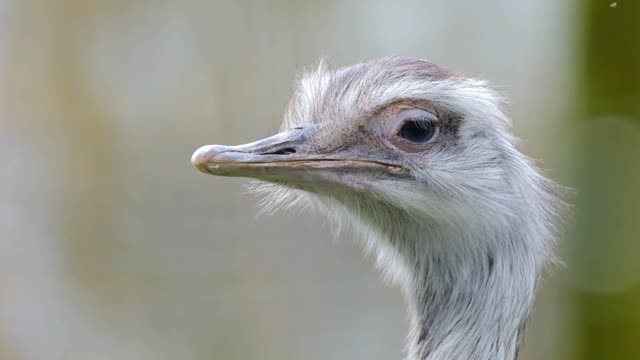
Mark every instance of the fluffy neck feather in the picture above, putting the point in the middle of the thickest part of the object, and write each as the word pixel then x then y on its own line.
pixel 470 303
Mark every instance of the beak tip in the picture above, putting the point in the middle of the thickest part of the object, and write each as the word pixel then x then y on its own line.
pixel 201 158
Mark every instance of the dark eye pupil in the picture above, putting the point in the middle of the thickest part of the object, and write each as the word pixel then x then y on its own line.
pixel 418 131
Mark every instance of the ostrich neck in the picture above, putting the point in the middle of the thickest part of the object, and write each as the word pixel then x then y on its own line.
pixel 469 304
pixel 469 286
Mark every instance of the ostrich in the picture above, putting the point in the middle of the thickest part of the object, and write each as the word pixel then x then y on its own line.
pixel 421 162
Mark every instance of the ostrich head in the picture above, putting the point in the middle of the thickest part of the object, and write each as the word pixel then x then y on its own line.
pixel 422 163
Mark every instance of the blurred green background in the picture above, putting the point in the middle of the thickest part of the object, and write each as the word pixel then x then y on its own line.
pixel 113 247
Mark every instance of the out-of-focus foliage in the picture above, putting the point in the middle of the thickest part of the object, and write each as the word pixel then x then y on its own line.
pixel 606 245
pixel 113 247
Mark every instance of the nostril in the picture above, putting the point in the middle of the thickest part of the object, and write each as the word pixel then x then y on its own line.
pixel 283 151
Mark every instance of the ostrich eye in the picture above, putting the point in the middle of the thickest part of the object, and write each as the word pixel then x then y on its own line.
pixel 418 131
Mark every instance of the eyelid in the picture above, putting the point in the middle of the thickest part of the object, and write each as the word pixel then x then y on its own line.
pixel 420 120
pixel 417 113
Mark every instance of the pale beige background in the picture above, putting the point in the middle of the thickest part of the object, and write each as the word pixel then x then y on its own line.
pixel 113 247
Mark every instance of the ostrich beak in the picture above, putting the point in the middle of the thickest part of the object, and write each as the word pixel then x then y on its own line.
pixel 288 157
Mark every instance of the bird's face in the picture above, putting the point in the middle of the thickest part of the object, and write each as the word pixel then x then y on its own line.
pixel 391 131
